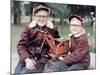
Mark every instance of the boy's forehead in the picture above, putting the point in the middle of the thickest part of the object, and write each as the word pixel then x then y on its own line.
pixel 75 20
pixel 77 17
pixel 42 11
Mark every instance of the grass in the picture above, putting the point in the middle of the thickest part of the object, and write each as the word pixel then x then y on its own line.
pixel 15 35
pixel 63 31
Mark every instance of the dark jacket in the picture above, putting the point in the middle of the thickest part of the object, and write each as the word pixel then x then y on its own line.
pixel 31 40
pixel 79 50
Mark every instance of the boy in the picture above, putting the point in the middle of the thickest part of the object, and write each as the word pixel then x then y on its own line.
pixel 78 58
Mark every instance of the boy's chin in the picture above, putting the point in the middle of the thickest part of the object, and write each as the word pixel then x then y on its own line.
pixel 41 25
pixel 74 33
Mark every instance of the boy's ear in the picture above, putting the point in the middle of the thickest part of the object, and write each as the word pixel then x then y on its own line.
pixel 83 21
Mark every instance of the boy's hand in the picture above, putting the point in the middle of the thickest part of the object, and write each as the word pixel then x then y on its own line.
pixel 30 63
pixel 53 56
pixel 61 58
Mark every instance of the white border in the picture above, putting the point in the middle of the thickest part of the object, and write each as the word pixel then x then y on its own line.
pixel 5 36
pixel 84 2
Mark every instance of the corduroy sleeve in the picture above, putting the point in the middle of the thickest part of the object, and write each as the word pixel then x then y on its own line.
pixel 22 46
pixel 79 52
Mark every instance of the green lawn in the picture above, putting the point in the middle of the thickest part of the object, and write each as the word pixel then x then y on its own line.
pixel 63 31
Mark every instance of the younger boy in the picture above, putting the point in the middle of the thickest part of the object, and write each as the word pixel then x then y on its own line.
pixel 78 58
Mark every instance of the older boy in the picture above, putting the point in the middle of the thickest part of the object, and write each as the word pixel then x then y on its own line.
pixel 32 48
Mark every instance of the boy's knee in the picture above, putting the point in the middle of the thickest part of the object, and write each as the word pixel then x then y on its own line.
pixel 55 66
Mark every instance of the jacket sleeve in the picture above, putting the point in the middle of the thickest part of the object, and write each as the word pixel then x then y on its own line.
pixel 22 46
pixel 78 54
pixel 44 55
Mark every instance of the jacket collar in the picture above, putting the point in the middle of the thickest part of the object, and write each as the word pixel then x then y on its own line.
pixel 79 34
pixel 49 24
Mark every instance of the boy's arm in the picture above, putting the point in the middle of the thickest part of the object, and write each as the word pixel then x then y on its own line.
pixel 22 45
pixel 80 51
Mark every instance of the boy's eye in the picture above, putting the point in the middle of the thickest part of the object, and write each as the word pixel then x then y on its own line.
pixel 75 25
pixel 41 16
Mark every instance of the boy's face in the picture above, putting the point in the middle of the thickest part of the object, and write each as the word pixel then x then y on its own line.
pixel 75 26
pixel 41 17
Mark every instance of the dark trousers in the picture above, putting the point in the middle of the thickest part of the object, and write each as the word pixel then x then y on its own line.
pixel 58 66
pixel 21 69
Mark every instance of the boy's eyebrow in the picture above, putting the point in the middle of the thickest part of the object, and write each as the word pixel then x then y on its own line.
pixel 75 24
